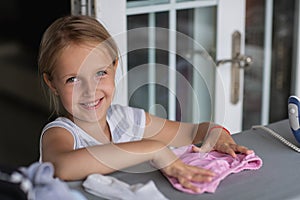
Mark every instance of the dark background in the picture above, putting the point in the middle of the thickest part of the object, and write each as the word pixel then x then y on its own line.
pixel 23 107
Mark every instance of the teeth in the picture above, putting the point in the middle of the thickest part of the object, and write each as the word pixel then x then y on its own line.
pixel 91 104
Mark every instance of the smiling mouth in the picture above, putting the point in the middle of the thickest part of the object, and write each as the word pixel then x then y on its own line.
pixel 92 105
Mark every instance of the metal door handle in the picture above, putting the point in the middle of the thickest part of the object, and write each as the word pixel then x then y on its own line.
pixel 242 61
pixel 238 62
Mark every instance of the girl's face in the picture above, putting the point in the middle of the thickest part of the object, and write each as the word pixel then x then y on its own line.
pixel 84 81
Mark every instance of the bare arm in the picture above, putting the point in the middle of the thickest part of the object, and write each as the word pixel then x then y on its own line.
pixel 78 164
pixel 175 133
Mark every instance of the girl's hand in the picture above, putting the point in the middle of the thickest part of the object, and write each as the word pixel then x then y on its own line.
pixel 226 144
pixel 220 140
pixel 186 174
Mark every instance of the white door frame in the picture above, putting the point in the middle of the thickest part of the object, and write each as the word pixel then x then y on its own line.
pixel 230 18
pixel 113 17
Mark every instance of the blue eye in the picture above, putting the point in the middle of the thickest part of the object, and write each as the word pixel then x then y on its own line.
pixel 101 73
pixel 72 80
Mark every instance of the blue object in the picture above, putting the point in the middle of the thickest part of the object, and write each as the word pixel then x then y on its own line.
pixel 294 110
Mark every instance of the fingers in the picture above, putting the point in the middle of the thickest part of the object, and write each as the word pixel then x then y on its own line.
pixel 194 174
pixel 232 149
pixel 186 183
pixel 243 149
pixel 199 174
pixel 187 175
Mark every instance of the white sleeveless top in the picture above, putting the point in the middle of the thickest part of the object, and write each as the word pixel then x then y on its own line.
pixel 125 123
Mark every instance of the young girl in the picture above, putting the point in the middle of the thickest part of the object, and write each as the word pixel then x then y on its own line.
pixel 77 62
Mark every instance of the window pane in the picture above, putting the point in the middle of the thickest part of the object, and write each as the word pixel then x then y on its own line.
pixel 198 24
pixel 142 59
pixel 185 23
pixel 162 58
pixel 282 60
pixel 137 57
pixel 254 46
pixel 281 64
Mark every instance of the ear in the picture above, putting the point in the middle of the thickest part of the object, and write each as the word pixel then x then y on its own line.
pixel 50 83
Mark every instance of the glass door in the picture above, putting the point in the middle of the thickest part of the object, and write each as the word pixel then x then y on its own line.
pixel 167 49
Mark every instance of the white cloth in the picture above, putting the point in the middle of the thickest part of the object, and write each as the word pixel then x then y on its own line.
pixel 111 188
pixel 125 123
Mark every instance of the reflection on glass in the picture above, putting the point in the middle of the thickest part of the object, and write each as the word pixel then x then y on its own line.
pixel 139 58
pixel 282 51
pixel 281 65
pixel 254 47
pixel 195 35
pixel 198 24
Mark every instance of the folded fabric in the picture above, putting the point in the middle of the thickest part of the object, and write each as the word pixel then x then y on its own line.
pixel 220 163
pixel 112 188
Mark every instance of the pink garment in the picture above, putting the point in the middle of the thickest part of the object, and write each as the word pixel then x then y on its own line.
pixel 220 163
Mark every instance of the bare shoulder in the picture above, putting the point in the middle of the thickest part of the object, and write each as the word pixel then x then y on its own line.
pixel 56 139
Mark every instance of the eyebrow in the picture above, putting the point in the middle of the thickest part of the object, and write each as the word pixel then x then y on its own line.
pixel 106 67
pixel 97 69
pixel 68 75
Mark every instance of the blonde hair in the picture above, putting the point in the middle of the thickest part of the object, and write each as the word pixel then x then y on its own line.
pixel 60 34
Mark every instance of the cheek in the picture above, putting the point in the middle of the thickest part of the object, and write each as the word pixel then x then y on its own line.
pixel 107 85
pixel 67 98
pixel 112 88
pixel 112 84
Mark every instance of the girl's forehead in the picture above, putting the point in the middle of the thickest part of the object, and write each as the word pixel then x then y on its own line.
pixel 91 50
pixel 78 57
pixel 98 55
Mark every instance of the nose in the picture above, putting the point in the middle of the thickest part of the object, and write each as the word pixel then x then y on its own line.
pixel 89 87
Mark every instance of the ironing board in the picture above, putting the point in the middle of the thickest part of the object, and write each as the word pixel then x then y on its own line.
pixel 277 179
